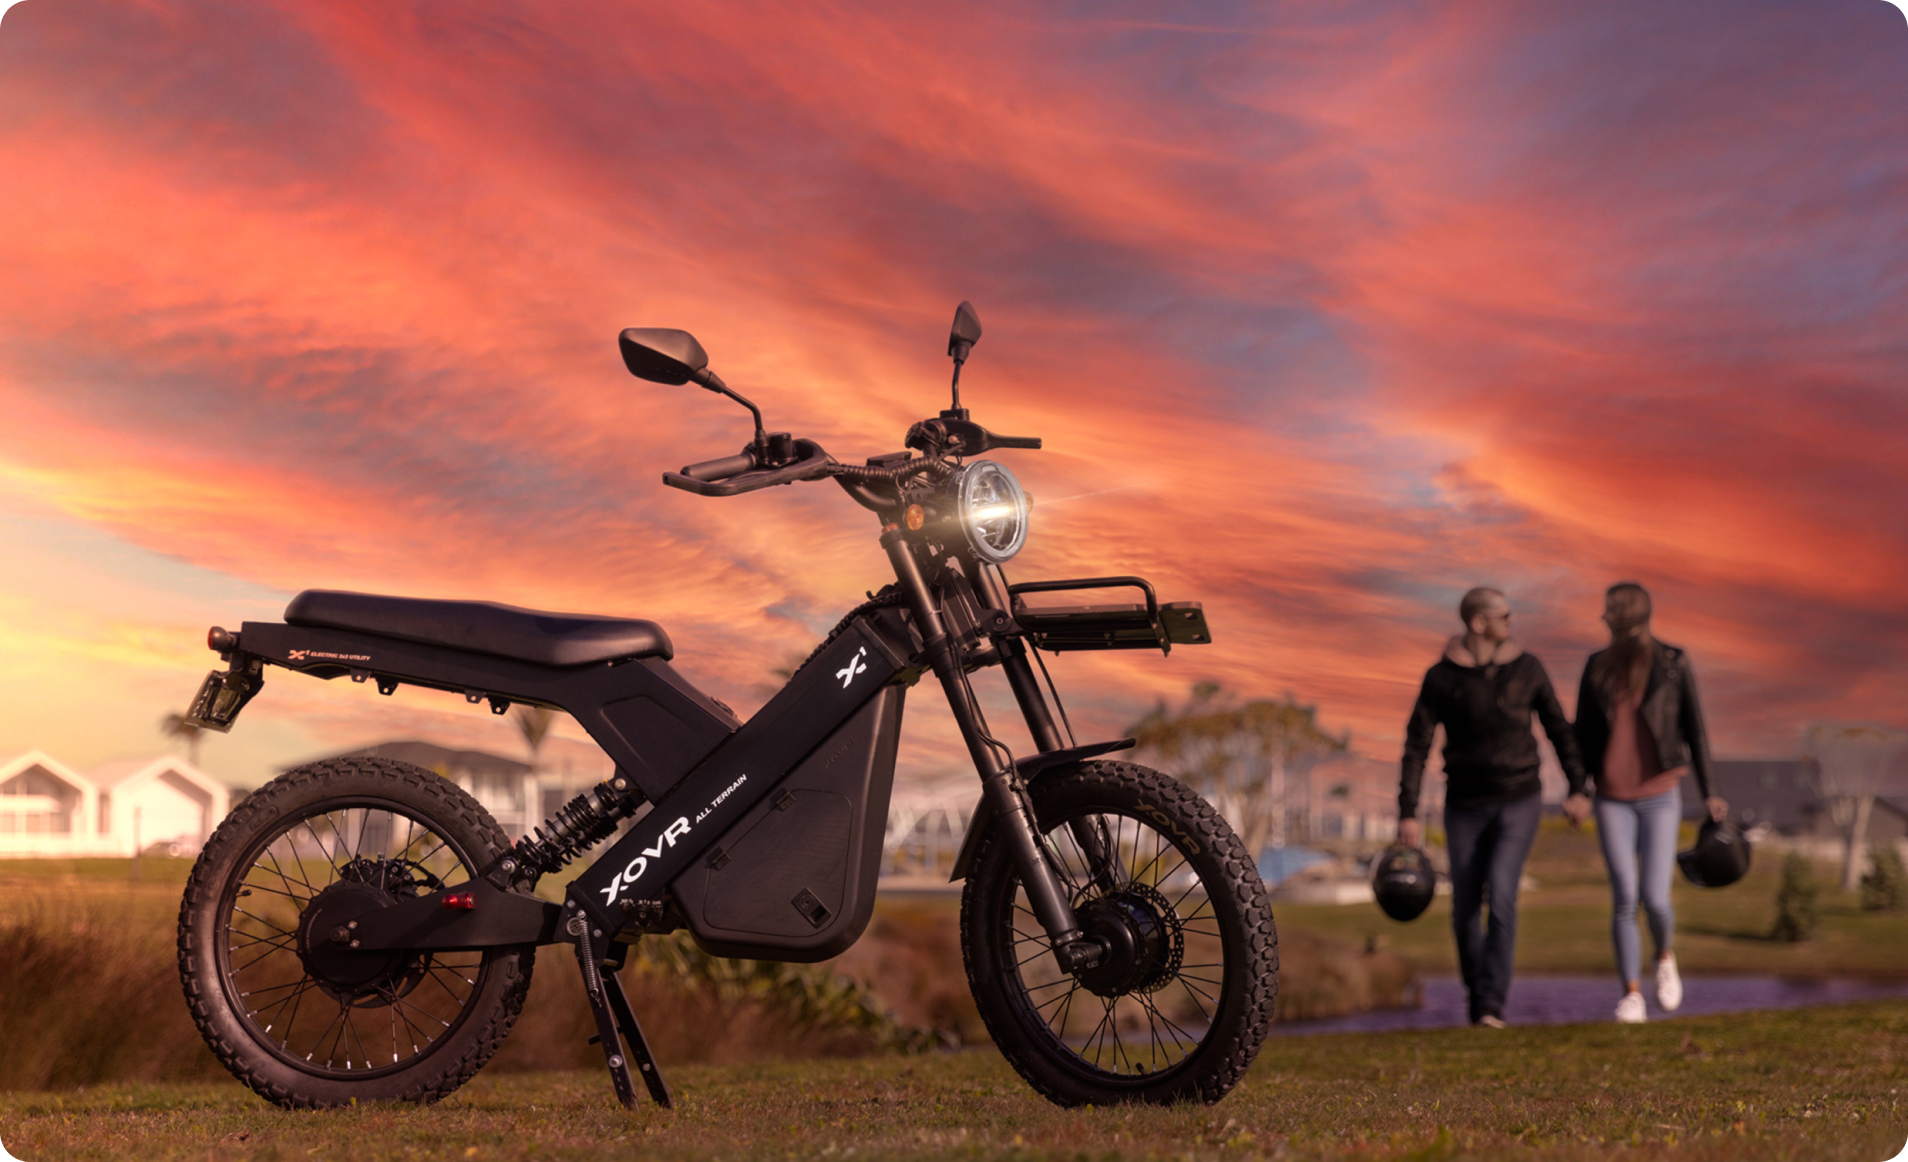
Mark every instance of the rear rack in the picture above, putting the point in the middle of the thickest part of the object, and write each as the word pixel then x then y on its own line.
pixel 1120 626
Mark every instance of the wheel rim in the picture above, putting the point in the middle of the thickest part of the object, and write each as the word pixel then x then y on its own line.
pixel 305 997
pixel 1145 1012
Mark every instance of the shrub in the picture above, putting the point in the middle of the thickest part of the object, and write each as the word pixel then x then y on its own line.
pixel 1797 912
pixel 1885 888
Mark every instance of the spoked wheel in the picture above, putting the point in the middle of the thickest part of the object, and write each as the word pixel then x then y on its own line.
pixel 284 998
pixel 1178 1007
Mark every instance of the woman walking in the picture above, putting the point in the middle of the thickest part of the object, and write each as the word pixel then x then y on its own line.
pixel 1640 729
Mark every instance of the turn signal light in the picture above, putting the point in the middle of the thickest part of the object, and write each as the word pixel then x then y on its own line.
pixel 220 640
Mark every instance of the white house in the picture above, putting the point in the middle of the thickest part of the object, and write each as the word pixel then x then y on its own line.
pixel 49 809
pixel 46 808
pixel 164 800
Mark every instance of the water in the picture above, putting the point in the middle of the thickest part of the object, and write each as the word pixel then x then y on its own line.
pixel 1563 1000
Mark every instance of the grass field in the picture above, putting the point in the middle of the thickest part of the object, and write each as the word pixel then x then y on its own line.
pixel 1564 924
pixel 1809 1084
pixel 1826 1084
pixel 90 993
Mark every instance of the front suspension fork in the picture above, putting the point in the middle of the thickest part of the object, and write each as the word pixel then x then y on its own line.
pixel 1071 947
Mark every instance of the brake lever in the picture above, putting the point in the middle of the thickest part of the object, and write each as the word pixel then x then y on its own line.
pixel 953 436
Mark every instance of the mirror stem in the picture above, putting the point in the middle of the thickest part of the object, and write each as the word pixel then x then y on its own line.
pixel 713 382
pixel 957 383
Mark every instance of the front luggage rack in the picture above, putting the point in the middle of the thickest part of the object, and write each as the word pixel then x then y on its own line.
pixel 1120 626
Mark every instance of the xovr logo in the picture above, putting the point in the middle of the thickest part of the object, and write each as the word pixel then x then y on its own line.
pixel 855 666
pixel 629 875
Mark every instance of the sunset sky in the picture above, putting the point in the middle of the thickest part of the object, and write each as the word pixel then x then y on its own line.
pixel 1326 311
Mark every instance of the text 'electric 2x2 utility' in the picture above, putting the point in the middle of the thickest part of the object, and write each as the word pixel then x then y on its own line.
pixel 361 929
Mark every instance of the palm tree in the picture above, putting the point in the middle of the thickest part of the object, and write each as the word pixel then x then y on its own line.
pixel 175 726
pixel 533 722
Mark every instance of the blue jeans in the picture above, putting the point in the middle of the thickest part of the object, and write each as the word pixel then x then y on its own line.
pixel 1488 846
pixel 1639 845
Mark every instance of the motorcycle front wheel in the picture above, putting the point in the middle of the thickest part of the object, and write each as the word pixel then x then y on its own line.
pixel 1179 1005
pixel 281 994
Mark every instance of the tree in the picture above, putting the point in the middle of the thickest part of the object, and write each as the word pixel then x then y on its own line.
pixel 1245 757
pixel 1885 887
pixel 533 722
pixel 1797 912
pixel 1853 764
pixel 175 726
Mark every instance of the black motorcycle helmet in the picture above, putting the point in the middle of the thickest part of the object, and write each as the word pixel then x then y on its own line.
pixel 1404 882
pixel 1720 857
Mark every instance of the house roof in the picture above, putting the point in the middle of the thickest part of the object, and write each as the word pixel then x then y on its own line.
pixel 1778 792
pixel 125 774
pixel 47 763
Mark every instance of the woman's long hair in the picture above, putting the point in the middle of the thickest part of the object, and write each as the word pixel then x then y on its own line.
pixel 1623 670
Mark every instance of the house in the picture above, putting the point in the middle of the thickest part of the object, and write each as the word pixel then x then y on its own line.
pixel 166 800
pixel 120 808
pixel 46 808
pixel 1356 798
pixel 1781 795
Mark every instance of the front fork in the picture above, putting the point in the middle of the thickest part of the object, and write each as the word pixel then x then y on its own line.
pixel 1071 947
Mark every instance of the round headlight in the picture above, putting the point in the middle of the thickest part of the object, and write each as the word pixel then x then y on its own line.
pixel 993 510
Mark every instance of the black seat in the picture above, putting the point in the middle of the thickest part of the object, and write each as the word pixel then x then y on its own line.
pixel 549 639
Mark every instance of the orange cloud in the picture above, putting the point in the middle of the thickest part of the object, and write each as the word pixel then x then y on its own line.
pixel 1325 315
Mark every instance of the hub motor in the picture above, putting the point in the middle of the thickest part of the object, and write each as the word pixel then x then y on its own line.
pixel 326 939
pixel 1143 939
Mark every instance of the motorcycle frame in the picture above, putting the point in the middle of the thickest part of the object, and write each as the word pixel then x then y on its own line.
pixel 698 766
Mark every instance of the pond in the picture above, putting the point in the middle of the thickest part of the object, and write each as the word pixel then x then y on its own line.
pixel 1562 1000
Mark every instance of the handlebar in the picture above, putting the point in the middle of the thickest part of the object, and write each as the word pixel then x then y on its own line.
pixel 734 475
pixel 710 471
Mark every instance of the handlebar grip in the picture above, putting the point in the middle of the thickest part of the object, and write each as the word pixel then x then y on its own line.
pixel 712 470
pixel 814 464
pixel 1017 442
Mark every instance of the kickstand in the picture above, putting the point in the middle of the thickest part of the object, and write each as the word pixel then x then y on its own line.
pixel 610 1006
pixel 633 1032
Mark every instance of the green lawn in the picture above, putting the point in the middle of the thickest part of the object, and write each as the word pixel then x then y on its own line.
pixel 1564 924
pixel 1827 1084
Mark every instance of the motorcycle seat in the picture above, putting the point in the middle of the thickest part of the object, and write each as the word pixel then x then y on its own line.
pixel 484 627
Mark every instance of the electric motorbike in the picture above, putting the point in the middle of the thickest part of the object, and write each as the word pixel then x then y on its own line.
pixel 362 929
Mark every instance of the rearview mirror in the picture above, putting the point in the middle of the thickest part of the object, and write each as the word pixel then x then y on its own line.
pixel 965 333
pixel 662 355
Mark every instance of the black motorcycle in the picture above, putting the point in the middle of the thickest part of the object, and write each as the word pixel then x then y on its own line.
pixel 362 929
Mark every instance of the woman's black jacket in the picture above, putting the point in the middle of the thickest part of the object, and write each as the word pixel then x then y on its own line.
pixel 1670 713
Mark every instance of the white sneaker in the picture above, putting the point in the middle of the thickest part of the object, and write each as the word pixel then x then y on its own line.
pixel 1630 1011
pixel 1669 984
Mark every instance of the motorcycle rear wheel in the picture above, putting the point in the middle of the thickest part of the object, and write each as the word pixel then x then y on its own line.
pixel 270 975
pixel 1180 1006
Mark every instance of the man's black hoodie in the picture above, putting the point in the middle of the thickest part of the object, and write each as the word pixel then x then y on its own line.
pixel 1490 755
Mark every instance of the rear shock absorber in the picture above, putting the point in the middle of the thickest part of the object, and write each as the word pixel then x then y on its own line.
pixel 577 826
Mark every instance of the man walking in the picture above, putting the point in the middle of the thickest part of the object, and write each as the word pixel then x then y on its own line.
pixel 1483 691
